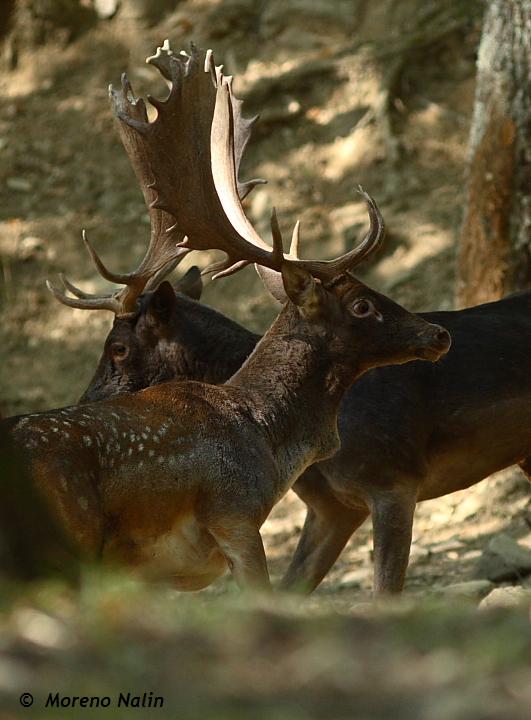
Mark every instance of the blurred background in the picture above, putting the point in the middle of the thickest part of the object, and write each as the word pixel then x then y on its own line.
pixel 349 92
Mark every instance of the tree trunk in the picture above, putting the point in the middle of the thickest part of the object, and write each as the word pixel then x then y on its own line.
pixel 495 243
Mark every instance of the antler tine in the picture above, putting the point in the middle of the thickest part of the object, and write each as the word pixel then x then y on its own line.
pixel 161 59
pixel 294 245
pixel 119 279
pixel 327 270
pixel 371 242
pixel 106 302
pixel 77 291
pixel 224 268
pixel 87 301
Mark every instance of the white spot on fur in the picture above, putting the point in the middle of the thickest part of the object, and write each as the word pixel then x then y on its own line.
pixel 87 440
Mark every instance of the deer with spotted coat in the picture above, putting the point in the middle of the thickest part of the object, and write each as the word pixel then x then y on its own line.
pixel 178 478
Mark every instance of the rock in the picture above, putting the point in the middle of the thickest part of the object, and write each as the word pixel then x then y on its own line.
pixel 473 589
pixel 355 578
pixel 30 247
pixel 106 9
pixel 419 552
pixel 446 546
pixel 505 559
pixel 506 597
pixel 19 184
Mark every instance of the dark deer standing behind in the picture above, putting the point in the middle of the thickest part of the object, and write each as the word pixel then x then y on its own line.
pixel 443 427
pixel 179 478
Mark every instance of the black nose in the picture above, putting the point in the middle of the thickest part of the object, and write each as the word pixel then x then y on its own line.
pixel 442 336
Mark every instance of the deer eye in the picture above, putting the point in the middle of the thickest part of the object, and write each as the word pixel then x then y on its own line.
pixel 362 308
pixel 119 351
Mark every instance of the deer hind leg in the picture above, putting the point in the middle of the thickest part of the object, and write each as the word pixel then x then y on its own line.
pixel 71 495
pixel 242 546
pixel 392 519
pixel 328 527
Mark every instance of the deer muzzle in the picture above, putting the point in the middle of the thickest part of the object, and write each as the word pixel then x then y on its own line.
pixel 433 343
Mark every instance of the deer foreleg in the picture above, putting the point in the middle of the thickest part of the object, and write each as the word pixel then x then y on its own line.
pixel 244 551
pixel 328 526
pixel 392 520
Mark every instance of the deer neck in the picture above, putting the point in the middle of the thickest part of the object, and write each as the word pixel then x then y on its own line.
pixel 294 385
pixel 217 346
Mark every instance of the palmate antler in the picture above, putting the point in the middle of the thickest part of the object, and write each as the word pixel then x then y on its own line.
pixel 163 253
pixel 195 158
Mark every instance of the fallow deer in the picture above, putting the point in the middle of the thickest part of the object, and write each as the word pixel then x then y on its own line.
pixel 178 478
pixel 444 427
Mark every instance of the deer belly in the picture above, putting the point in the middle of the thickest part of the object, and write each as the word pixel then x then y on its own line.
pixel 186 555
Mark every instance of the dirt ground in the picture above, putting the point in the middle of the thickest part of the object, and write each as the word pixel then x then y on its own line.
pixel 348 95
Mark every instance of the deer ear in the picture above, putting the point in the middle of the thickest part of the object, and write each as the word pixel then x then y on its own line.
pixel 162 302
pixel 302 289
pixel 273 282
pixel 191 283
